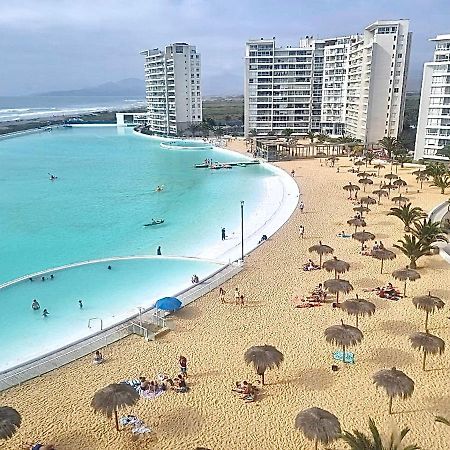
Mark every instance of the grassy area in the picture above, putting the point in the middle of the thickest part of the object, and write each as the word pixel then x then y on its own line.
pixel 224 110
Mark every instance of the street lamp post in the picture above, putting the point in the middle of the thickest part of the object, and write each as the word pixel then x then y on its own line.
pixel 242 230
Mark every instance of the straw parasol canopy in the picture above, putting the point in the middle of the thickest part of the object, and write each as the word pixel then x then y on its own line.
pixel 428 343
pixel 343 335
pixel 419 172
pixel 336 265
pixel 321 249
pixel 405 275
pixel 365 182
pixel 318 425
pixel 10 421
pixel 378 167
pixel 399 183
pixel 358 307
pixel 383 254
pixel 355 222
pixel 400 199
pixel 391 176
pixel 336 285
pixel 113 397
pixel 395 383
pixel 429 304
pixel 380 193
pixel 365 174
pixel 361 209
pixel 367 200
pixel 358 164
pixel 363 236
pixel 351 188
pixel 263 357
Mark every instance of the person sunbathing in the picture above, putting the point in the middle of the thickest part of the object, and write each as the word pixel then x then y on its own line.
pixel 38 446
pixel 310 266
pixel 180 384
pixel 318 294
pixel 144 384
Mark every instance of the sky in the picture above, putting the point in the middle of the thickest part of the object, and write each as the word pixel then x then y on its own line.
pixel 48 45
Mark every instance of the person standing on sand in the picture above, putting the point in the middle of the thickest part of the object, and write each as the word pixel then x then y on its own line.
pixel 183 366
pixel 237 296
pixel 241 298
pixel 301 230
pixel 222 294
pixel 293 173
pixel 301 206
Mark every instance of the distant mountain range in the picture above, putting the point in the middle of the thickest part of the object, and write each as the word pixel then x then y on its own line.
pixel 225 84
pixel 123 88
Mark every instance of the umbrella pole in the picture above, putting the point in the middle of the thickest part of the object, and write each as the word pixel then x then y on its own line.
pixel 424 360
pixel 404 290
pixel 320 260
pixel 316 444
pixel 382 261
pixel 357 315
pixel 117 420
pixel 337 297
pixel 426 322
pixel 343 354
pixel 390 405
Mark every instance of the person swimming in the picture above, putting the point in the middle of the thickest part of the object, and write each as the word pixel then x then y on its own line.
pixel 159 188
pixel 35 305
pixel 80 302
pixel 45 313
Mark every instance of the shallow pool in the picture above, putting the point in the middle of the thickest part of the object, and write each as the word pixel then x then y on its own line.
pixel 108 295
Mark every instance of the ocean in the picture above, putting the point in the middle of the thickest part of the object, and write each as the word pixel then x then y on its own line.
pixel 36 106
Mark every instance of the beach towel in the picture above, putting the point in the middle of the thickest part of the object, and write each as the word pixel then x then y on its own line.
pixel 349 357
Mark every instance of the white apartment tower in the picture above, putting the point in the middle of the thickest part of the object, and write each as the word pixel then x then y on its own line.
pixel 352 84
pixel 172 85
pixel 433 127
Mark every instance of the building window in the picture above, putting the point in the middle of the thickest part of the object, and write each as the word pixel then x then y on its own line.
pixel 400 55
pixel 395 90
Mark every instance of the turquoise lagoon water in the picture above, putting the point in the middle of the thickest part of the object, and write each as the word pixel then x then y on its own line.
pixel 104 194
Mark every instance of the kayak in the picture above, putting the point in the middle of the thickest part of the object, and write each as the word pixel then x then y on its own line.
pixel 155 222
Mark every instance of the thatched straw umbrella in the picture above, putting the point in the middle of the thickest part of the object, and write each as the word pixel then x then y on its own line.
pixel 358 307
pixel 343 335
pixel 429 304
pixel 405 275
pixel 367 201
pixel 336 285
pixel 351 188
pixel 263 357
pixel 336 265
pixel 361 210
pixel 318 425
pixel 355 222
pixel 399 183
pixel 321 249
pixel 400 199
pixel 395 383
pixel 383 254
pixel 428 343
pixel 380 193
pixel 10 421
pixel 358 164
pixel 391 176
pixel 333 160
pixel 363 236
pixel 365 182
pixel 113 397
pixel 378 167
pixel 365 174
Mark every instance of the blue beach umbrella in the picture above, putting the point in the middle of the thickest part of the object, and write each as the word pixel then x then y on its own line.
pixel 168 304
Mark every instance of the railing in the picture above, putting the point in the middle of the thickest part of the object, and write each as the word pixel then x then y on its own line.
pixel 102 339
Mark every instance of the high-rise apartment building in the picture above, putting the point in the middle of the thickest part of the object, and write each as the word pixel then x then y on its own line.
pixel 173 89
pixel 352 84
pixel 433 127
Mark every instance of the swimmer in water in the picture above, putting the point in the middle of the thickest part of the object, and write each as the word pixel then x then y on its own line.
pixel 80 302
pixel 158 188
pixel 35 305
pixel 109 267
pixel 45 313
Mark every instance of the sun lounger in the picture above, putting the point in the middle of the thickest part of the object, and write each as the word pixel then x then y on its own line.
pixel 349 357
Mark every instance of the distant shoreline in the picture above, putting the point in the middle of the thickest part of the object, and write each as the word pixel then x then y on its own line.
pixel 94 117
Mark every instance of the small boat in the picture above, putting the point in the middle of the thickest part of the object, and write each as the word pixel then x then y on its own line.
pixel 241 164
pixel 154 222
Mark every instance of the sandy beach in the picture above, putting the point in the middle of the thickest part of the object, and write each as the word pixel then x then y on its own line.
pixel 214 336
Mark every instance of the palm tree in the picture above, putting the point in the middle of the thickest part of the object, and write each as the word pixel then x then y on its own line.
pixel 369 156
pixel 253 132
pixel 361 441
pixel 429 231
pixel 442 182
pixel 407 215
pixel 322 138
pixel 445 152
pixel 388 144
pixel 413 248
pixel 287 132
pixel 311 135
pixel 218 131
pixel 402 157
pixel 435 169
